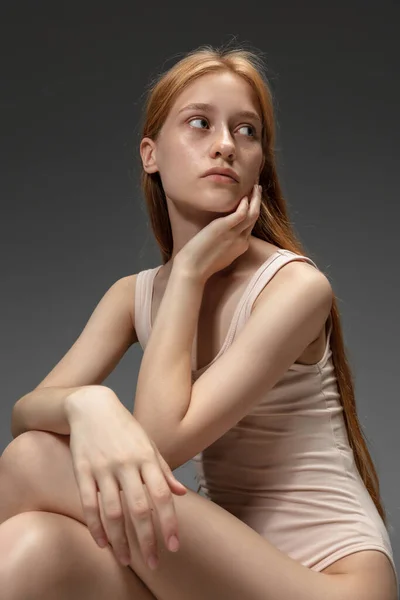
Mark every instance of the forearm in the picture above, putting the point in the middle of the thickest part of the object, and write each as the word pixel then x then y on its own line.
pixel 45 409
pixel 165 378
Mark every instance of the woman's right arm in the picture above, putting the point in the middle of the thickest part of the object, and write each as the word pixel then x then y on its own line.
pixel 46 409
pixel 102 430
pixel 106 337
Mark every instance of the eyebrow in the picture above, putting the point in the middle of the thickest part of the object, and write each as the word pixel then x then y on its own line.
pixel 246 114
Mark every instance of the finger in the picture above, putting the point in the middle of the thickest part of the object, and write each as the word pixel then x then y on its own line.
pixel 245 226
pixel 234 218
pixel 139 509
pixel 163 501
pixel 254 194
pixel 113 516
pixel 176 486
pixel 255 200
pixel 90 506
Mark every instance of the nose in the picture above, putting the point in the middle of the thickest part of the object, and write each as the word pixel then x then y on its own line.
pixel 223 145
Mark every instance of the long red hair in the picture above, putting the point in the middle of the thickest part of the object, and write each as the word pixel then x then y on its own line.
pixel 273 224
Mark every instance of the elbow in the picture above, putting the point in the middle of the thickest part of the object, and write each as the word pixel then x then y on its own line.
pixel 17 426
pixel 16 429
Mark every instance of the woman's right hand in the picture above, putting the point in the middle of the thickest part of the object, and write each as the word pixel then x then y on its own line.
pixel 112 452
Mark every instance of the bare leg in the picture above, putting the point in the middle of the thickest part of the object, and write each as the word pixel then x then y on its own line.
pixel 219 557
pixel 30 468
pixel 42 550
pixel 47 556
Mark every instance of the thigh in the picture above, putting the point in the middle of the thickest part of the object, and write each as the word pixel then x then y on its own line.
pixel 46 555
pixel 219 556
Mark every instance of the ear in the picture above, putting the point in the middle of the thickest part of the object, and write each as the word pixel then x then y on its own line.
pixel 148 155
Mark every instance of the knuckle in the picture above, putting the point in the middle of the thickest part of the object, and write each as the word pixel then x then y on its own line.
pixel 101 467
pixel 148 455
pixel 113 512
pixel 140 508
pixel 89 507
pixel 82 465
pixel 162 494
pixel 149 545
pixel 121 461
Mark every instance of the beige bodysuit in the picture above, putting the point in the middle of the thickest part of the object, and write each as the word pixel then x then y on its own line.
pixel 286 469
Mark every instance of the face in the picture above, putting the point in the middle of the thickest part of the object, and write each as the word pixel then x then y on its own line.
pixel 195 139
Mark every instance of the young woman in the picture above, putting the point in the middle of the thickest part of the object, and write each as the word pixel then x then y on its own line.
pixel 244 370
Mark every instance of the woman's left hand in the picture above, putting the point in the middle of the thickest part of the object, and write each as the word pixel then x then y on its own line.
pixel 220 242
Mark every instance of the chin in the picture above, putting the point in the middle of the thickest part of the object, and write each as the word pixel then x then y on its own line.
pixel 223 194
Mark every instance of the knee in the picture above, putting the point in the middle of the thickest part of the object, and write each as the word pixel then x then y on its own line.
pixel 30 555
pixel 29 453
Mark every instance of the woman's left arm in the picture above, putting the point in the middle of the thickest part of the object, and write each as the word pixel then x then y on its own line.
pixel 164 383
pixel 184 418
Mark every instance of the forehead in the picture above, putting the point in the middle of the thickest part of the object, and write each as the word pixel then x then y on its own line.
pixel 223 90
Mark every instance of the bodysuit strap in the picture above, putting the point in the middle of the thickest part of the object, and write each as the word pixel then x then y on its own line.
pixel 264 275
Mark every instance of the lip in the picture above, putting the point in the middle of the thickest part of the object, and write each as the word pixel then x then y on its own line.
pixel 222 171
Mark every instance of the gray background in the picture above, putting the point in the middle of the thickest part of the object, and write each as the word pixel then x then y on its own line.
pixel 72 216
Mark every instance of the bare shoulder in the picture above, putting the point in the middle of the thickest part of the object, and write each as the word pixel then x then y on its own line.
pixel 294 274
pixel 298 271
pixel 122 299
pixel 312 293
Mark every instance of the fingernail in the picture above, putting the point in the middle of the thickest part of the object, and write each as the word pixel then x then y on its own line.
pixel 260 188
pixel 173 543
pixel 152 562
pixel 125 559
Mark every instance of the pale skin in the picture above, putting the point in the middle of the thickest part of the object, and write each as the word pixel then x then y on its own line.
pixel 44 541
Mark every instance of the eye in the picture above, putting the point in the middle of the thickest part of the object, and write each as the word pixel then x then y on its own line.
pixel 205 121
pixel 250 127
pixel 198 119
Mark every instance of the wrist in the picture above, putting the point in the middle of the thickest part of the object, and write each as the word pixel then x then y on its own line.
pixel 74 401
pixel 183 269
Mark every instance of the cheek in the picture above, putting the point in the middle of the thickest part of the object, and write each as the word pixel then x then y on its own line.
pixel 252 159
pixel 180 163
pixel 175 179
pixel 187 147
